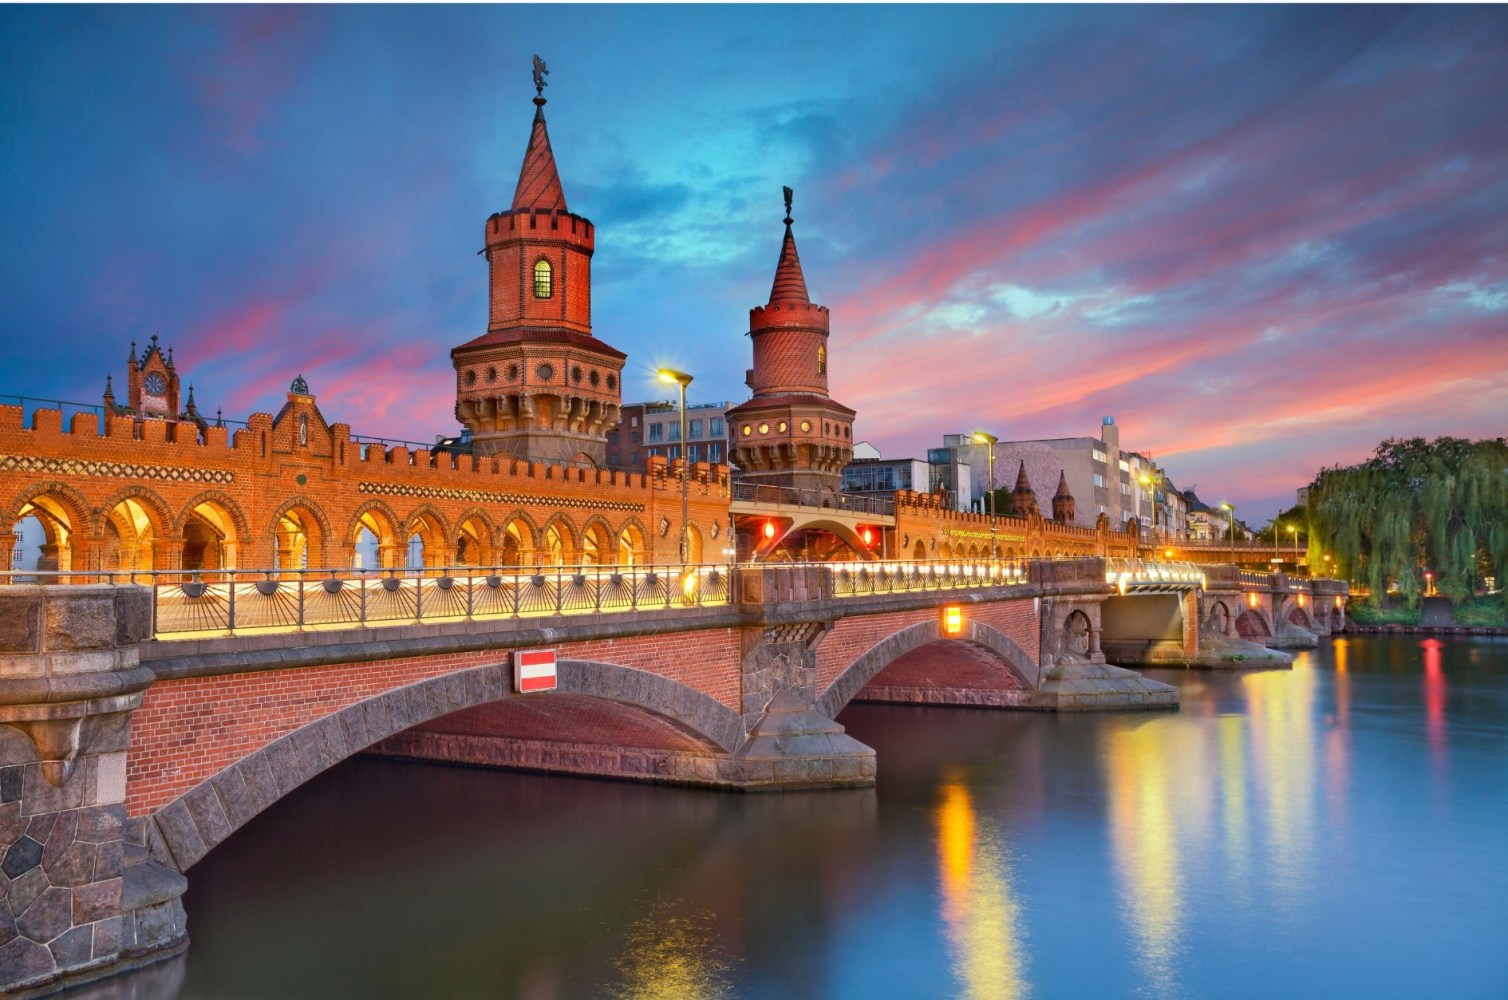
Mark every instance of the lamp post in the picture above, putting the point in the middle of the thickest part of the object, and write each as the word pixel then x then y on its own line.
pixel 1150 483
pixel 1230 509
pixel 989 440
pixel 1293 530
pixel 683 380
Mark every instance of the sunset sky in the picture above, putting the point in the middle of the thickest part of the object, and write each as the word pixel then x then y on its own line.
pixel 1262 238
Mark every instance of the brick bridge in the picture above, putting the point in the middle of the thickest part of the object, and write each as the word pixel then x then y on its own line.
pixel 129 757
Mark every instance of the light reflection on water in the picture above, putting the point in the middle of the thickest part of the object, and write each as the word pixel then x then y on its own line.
pixel 1335 830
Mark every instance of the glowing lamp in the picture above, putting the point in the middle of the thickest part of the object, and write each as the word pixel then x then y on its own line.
pixel 1251 600
pixel 867 536
pixel 1301 600
pixel 769 530
pixel 689 587
pixel 952 621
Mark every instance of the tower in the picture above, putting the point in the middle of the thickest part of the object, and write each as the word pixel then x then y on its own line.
pixel 152 382
pixel 537 384
pixel 1023 497
pixel 791 433
pixel 1063 507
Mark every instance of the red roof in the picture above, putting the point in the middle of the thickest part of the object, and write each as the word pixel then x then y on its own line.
pixel 542 335
pixel 538 180
pixel 790 283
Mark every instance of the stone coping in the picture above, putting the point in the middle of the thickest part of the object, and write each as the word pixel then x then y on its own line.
pixel 1499 631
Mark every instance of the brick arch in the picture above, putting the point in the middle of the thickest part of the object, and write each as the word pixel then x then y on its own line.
pixel 321 545
pixel 572 539
pixel 77 507
pixel 607 540
pixel 437 521
pixel 885 652
pixel 1299 615
pixel 186 829
pixel 530 526
pixel 158 511
pixel 378 507
pixel 1252 623
pixel 225 503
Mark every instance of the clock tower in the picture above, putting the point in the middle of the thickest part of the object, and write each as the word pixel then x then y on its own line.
pixel 152 382
pixel 538 384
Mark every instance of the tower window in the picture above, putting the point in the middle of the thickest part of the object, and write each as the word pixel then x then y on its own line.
pixel 543 279
pixel 821 360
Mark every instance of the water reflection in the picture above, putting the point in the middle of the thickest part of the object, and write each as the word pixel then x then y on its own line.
pixel 979 912
pixel 1434 701
pixel 1280 708
pixel 671 956
pixel 1145 836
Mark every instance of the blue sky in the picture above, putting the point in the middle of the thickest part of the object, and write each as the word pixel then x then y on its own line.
pixel 1263 238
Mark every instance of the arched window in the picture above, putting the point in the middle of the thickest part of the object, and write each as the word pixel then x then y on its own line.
pixel 821 360
pixel 543 287
pixel 303 430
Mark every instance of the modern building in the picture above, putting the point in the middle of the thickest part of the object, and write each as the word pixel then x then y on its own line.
pixel 879 478
pixel 960 467
pixel 654 428
pixel 1102 477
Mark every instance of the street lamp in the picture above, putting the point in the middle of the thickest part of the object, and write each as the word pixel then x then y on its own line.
pixel 683 380
pixel 1293 530
pixel 989 440
pixel 1149 483
pixel 1231 509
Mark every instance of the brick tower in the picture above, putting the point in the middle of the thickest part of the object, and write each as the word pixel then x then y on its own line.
pixel 1023 497
pixel 1063 507
pixel 791 433
pixel 537 384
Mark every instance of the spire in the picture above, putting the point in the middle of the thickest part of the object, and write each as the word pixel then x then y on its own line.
pixel 538 180
pixel 790 283
pixel 1062 493
pixel 1023 497
pixel 1023 485
pixel 132 359
pixel 109 392
pixel 190 408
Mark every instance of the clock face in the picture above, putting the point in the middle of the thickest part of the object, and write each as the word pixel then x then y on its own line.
pixel 156 384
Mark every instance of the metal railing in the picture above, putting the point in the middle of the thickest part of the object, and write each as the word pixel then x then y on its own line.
pixel 761 493
pixel 861 579
pixel 233 602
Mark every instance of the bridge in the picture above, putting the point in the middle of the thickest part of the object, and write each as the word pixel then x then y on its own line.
pixel 144 723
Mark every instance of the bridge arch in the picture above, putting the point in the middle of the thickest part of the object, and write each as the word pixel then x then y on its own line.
pixel 300 531
pixel 882 654
pixel 1252 624
pixel 66 518
pixel 516 540
pixel 201 818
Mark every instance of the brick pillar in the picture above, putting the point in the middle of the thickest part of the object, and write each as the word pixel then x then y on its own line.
pixel 69 680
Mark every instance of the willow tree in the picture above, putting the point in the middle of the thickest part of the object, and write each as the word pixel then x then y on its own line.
pixel 1416 506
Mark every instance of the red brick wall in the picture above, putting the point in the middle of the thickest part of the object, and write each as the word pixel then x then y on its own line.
pixel 189 730
pixel 852 637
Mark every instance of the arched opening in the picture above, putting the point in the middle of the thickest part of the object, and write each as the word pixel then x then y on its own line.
pixel 544 286
pixel 631 548
pixel 209 538
pixel 919 552
pixel 558 548
pixel 474 543
pixel 1076 636
pixel 693 543
pixel 46 535
pixel 516 544
pixel 1220 619
pixel 1251 625
pixel 128 538
pixel 373 540
pixel 946 552
pixel 299 543
pixel 973 552
pixel 596 546
pixel 425 545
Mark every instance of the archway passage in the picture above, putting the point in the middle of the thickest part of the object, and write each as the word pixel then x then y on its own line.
pixel 1251 625
pixel 947 672
pixel 49 527
pixel 128 538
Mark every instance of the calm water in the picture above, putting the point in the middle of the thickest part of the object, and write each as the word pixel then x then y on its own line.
pixel 1340 830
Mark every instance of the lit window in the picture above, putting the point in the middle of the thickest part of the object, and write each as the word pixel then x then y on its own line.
pixel 821 360
pixel 1124 466
pixel 1099 480
pixel 542 279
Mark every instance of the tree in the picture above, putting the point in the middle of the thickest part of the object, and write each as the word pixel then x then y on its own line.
pixel 1276 532
pixel 1415 506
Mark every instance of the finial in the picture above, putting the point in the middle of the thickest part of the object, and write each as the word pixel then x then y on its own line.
pixel 299 386
pixel 154 340
pixel 191 396
pixel 219 420
pixel 132 358
pixel 788 194
pixel 170 355
pixel 540 72
pixel 109 389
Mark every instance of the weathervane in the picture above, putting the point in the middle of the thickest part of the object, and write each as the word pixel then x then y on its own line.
pixel 788 195
pixel 540 72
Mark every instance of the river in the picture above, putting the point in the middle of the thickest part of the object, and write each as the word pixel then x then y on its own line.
pixel 1337 830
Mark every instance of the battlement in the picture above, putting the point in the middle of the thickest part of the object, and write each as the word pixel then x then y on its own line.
pixel 533 223
pixel 777 315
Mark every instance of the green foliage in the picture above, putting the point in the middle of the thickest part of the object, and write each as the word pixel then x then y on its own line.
pixel 1416 506
pixel 1276 532
pixel 1389 613
pixel 1482 611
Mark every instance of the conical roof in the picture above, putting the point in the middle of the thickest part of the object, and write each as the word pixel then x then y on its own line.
pixel 538 180
pixel 1062 493
pixel 790 283
pixel 1023 485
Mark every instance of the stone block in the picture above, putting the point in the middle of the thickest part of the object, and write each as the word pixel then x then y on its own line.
pixel 209 815
pixel 20 623
pixel 133 615
pixel 180 834
pixel 261 785
pixel 234 798
pixel 107 938
pixel 61 837
pixel 25 890
pixel 24 855
pixel 109 859
pixel 41 796
pixel 98 824
pixel 282 760
pixel 376 719
pixel 74 947
pixel 49 915
pixel 7 924
pixel 74 867
pixel 79 621
pixel 159 924
pixel 24 959
pixel 12 823
pixel 96 901
pixel 10 783
pixel 354 722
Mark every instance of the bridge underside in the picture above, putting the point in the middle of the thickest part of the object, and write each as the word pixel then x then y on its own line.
pixel 949 672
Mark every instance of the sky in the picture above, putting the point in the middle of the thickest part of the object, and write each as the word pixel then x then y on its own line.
pixel 1262 238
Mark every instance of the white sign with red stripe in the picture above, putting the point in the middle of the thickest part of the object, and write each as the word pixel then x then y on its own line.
pixel 534 670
